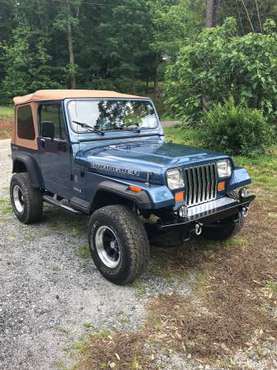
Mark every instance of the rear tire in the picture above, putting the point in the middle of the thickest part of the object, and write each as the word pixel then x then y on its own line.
pixel 224 231
pixel 26 201
pixel 118 243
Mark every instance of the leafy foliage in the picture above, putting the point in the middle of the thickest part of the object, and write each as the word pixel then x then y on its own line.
pixel 235 129
pixel 250 14
pixel 26 68
pixel 174 23
pixel 222 63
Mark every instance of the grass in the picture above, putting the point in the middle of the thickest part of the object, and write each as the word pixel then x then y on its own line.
pixel 272 286
pixel 263 169
pixel 5 206
pixel 83 251
pixel 6 112
pixel 180 135
pixel 6 116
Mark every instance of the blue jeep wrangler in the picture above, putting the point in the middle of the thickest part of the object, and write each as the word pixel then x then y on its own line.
pixel 103 154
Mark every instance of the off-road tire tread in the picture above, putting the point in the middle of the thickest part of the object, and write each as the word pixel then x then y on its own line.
pixel 32 199
pixel 134 235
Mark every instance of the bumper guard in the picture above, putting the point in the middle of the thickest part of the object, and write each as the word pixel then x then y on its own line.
pixel 209 212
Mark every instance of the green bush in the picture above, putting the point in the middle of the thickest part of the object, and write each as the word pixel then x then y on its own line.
pixel 221 63
pixel 235 129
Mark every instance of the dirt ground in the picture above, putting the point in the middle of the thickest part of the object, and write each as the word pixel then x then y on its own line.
pixel 204 306
pixel 5 128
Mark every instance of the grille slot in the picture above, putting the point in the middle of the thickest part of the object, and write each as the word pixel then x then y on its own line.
pixel 201 184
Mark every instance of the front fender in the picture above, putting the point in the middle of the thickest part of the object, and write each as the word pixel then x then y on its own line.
pixel 240 178
pixel 150 196
pixel 140 198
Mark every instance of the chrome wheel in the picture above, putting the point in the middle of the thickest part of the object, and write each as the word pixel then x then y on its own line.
pixel 18 199
pixel 107 246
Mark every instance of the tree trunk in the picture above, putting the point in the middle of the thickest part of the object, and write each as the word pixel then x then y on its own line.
pixel 70 49
pixel 156 77
pixel 211 12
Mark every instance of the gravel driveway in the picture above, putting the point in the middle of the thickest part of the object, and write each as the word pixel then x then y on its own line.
pixel 50 290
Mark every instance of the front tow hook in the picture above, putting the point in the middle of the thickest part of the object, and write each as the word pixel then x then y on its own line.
pixel 198 229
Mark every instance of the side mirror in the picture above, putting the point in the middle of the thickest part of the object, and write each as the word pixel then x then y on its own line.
pixel 48 129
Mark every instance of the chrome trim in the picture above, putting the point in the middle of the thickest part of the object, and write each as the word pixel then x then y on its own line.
pixel 107 246
pixel 209 206
pixel 200 184
pixel 18 199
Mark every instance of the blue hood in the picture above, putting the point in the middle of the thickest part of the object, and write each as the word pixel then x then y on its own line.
pixel 142 160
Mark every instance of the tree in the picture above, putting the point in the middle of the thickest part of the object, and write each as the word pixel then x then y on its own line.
pixel 212 12
pixel 250 14
pixel 221 63
pixel 67 20
pixel 26 64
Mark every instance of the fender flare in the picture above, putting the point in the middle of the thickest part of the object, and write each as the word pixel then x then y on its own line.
pixel 31 167
pixel 142 199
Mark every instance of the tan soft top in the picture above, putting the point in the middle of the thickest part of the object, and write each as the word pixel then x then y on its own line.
pixel 64 94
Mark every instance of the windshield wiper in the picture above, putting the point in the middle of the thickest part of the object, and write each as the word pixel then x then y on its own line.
pixel 90 129
pixel 129 128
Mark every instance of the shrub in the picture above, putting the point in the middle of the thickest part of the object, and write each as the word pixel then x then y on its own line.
pixel 235 129
pixel 221 63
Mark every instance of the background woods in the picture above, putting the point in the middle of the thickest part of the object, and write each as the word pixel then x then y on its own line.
pixel 193 57
pixel 106 43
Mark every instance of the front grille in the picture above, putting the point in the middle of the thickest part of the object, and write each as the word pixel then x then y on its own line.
pixel 201 184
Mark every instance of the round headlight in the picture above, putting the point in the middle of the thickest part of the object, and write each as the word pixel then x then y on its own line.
pixel 224 168
pixel 175 179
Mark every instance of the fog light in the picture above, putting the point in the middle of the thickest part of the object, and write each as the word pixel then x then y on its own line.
pixel 243 193
pixel 183 211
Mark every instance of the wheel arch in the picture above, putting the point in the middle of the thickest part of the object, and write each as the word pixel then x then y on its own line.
pixel 25 163
pixel 111 192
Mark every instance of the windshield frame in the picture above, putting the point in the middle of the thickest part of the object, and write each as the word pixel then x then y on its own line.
pixel 88 132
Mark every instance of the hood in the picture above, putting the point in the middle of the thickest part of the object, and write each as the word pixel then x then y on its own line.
pixel 141 160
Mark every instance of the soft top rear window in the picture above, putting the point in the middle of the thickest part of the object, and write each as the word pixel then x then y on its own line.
pixel 25 123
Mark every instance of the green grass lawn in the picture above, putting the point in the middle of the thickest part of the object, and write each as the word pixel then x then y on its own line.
pixel 262 168
pixel 6 111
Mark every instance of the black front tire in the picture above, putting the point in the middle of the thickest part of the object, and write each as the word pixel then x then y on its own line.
pixel 26 201
pixel 131 240
pixel 224 230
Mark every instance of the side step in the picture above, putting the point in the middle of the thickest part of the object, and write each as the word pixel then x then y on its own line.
pixel 60 203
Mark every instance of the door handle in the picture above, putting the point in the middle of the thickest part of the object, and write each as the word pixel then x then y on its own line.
pixel 42 142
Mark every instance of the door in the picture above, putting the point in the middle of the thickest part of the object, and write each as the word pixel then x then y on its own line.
pixel 54 150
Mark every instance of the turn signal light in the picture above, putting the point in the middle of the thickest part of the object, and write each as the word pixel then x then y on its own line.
pixel 179 196
pixel 221 186
pixel 135 189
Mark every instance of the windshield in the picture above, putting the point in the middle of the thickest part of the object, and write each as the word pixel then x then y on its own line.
pixel 108 115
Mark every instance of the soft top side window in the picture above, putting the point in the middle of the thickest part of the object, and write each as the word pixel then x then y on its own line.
pixel 51 116
pixel 25 123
